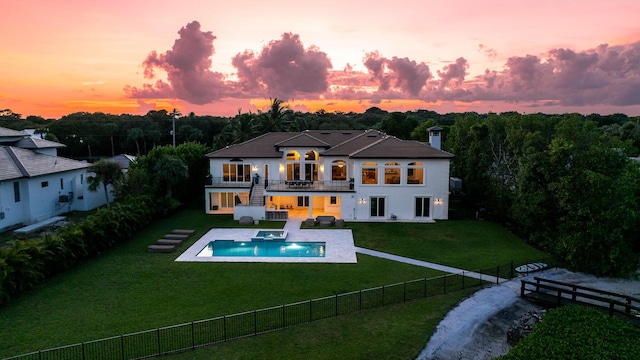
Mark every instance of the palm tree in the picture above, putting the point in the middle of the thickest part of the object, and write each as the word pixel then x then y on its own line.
pixel 172 171
pixel 106 172
pixel 275 119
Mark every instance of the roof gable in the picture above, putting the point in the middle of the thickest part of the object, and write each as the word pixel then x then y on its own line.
pixel 303 140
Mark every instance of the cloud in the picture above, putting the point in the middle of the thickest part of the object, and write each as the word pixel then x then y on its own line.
pixel 456 72
pixel 187 65
pixel 406 75
pixel 284 69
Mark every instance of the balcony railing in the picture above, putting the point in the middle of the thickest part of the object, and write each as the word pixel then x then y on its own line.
pixel 308 185
pixel 223 182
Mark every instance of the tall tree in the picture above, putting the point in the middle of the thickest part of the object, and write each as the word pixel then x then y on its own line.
pixel 172 171
pixel 105 173
pixel 275 119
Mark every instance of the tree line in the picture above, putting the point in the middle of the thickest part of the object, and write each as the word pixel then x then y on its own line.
pixel 565 183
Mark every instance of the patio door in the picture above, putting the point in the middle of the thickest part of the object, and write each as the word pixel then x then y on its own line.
pixel 377 206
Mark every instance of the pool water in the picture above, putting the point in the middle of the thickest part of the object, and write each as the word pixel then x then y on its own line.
pixel 263 249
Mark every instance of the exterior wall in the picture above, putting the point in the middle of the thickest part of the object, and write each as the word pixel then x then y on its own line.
pixel 38 203
pixel 400 199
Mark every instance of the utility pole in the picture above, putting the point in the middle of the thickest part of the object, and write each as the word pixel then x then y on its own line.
pixel 174 115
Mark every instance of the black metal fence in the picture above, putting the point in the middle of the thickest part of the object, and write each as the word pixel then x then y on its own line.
pixel 183 337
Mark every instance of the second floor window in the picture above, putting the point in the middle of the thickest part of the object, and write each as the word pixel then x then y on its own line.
pixel 236 172
pixel 415 173
pixel 392 173
pixel 369 173
pixel 339 170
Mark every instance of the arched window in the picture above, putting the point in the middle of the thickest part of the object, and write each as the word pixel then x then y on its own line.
pixel 293 156
pixel 369 173
pixel 310 156
pixel 311 166
pixel 415 173
pixel 338 170
pixel 293 165
pixel 392 173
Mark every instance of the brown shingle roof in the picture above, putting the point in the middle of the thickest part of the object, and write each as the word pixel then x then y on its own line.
pixel 303 139
pixel 355 143
pixel 26 163
pixel 258 147
pixel 392 147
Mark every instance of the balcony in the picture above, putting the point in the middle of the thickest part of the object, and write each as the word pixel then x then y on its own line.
pixel 219 182
pixel 308 185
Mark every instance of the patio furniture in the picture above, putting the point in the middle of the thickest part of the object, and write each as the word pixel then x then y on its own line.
pixel 339 222
pixel 161 248
pixel 310 222
pixel 326 220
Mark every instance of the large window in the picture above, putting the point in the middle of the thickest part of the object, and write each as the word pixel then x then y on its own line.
pixel 392 173
pixel 415 173
pixel 370 173
pixel 422 206
pixel 339 170
pixel 377 206
pixel 227 200
pixel 236 172
pixel 16 191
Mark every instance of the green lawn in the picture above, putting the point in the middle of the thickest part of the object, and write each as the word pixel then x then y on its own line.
pixel 128 289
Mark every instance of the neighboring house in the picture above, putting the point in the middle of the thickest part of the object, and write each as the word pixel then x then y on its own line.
pixel 36 184
pixel 352 174
pixel 124 161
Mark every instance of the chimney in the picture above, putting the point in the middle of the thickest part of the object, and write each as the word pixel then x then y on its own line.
pixel 435 135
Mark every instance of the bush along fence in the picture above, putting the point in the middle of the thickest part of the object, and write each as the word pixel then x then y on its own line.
pixel 187 336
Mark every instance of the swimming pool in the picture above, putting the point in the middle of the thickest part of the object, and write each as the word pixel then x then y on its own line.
pixel 277 235
pixel 263 249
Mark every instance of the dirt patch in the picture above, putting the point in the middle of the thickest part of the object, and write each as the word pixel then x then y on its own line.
pixel 477 328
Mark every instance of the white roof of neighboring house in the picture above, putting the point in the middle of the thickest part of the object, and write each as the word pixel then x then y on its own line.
pixel 18 163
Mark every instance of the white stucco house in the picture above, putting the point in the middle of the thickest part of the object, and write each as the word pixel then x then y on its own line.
pixel 355 175
pixel 36 184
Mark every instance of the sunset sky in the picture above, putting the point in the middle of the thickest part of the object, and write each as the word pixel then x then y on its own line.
pixel 216 57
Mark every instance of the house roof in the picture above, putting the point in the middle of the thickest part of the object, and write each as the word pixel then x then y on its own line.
pixel 35 143
pixel 353 143
pixel 303 139
pixel 11 133
pixel 123 160
pixel 392 147
pixel 26 163
pixel 258 147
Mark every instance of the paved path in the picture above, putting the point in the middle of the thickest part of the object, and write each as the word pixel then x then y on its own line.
pixel 293 224
pixel 429 265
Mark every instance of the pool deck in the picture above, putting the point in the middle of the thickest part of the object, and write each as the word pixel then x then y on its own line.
pixel 340 246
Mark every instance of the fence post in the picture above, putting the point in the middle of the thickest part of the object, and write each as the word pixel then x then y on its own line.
pixel 444 284
pixel 383 295
pixel 511 270
pixel 83 350
pixel 425 288
pixel 463 280
pixel 122 345
pixel 283 318
pixel 360 301
pixel 336 304
pixel 310 309
pixel 404 291
pixel 193 336
pixel 159 348
pixel 224 326
pixel 498 274
pixel 255 322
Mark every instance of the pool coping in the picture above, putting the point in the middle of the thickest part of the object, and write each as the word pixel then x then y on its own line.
pixel 340 246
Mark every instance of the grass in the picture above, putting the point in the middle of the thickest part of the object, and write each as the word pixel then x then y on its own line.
pixel 128 289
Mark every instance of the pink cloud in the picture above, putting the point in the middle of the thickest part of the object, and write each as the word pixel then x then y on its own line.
pixel 284 69
pixel 187 66
pixel 407 75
